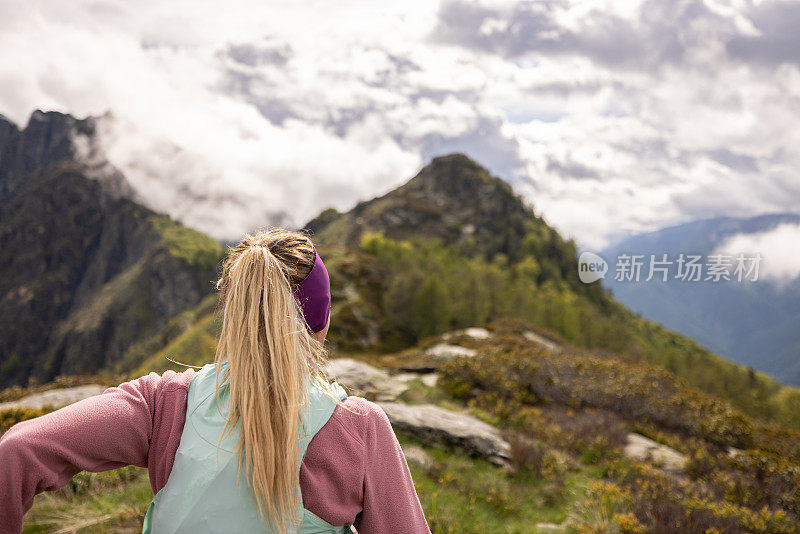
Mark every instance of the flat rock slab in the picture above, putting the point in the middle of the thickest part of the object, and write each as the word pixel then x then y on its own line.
pixel 429 379
pixel 433 425
pixel 443 352
pixel 429 360
pixel 550 527
pixel 365 380
pixel 733 452
pixel 54 397
pixel 645 449
pixel 530 335
pixel 473 332
pixel 416 454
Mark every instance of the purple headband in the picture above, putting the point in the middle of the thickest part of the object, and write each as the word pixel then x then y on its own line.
pixel 314 295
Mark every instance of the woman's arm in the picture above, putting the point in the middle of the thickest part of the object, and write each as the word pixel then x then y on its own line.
pixel 390 499
pixel 104 432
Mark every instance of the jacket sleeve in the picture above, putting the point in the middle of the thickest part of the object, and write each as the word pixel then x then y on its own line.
pixel 390 499
pixel 104 432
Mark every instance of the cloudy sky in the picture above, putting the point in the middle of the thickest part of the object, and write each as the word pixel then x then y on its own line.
pixel 778 247
pixel 611 117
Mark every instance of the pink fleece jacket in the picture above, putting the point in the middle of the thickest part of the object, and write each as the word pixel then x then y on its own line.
pixel 354 471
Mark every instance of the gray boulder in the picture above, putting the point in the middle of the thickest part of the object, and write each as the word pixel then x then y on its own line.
pixel 365 380
pixel 434 425
pixel 645 449
pixel 417 455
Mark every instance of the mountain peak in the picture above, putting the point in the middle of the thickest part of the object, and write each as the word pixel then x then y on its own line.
pixel 6 123
pixel 457 180
pixel 52 137
pixel 57 124
pixel 7 130
pixel 456 163
pixel 453 198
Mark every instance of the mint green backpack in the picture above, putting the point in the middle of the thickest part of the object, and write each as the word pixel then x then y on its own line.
pixel 202 494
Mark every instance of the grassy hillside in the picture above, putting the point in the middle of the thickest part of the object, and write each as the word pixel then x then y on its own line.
pixel 743 474
pixel 566 414
pixel 456 247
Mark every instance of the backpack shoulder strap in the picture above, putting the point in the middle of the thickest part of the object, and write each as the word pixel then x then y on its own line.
pixel 318 411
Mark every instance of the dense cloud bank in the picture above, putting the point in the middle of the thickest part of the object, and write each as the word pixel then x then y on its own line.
pixel 610 116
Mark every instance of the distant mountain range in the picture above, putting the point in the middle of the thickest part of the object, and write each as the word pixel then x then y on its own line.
pixel 756 324
pixel 92 281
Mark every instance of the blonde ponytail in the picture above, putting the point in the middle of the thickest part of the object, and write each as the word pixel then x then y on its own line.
pixel 270 358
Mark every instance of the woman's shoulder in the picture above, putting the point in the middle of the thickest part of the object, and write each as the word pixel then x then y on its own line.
pixel 359 409
pixel 156 389
pixel 167 380
pixel 361 418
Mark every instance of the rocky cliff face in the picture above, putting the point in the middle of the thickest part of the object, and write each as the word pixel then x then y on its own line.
pixel 86 270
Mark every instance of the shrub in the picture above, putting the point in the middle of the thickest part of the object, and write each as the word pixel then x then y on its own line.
pixel 512 370
pixel 9 418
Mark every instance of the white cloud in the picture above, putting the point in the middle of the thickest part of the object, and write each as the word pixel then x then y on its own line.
pixel 777 246
pixel 611 117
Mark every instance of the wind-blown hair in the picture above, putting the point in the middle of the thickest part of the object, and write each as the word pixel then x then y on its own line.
pixel 270 357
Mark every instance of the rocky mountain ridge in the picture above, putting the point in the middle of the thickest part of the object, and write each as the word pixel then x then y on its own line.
pixel 86 270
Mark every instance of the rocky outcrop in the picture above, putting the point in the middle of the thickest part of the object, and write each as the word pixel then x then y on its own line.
pixel 473 332
pixel 435 426
pixel 542 341
pixel 430 359
pixel 365 380
pixel 428 423
pixel 643 449
pixel 7 130
pixel 417 455
pixel 56 398
pixel 443 352
pixel 52 137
